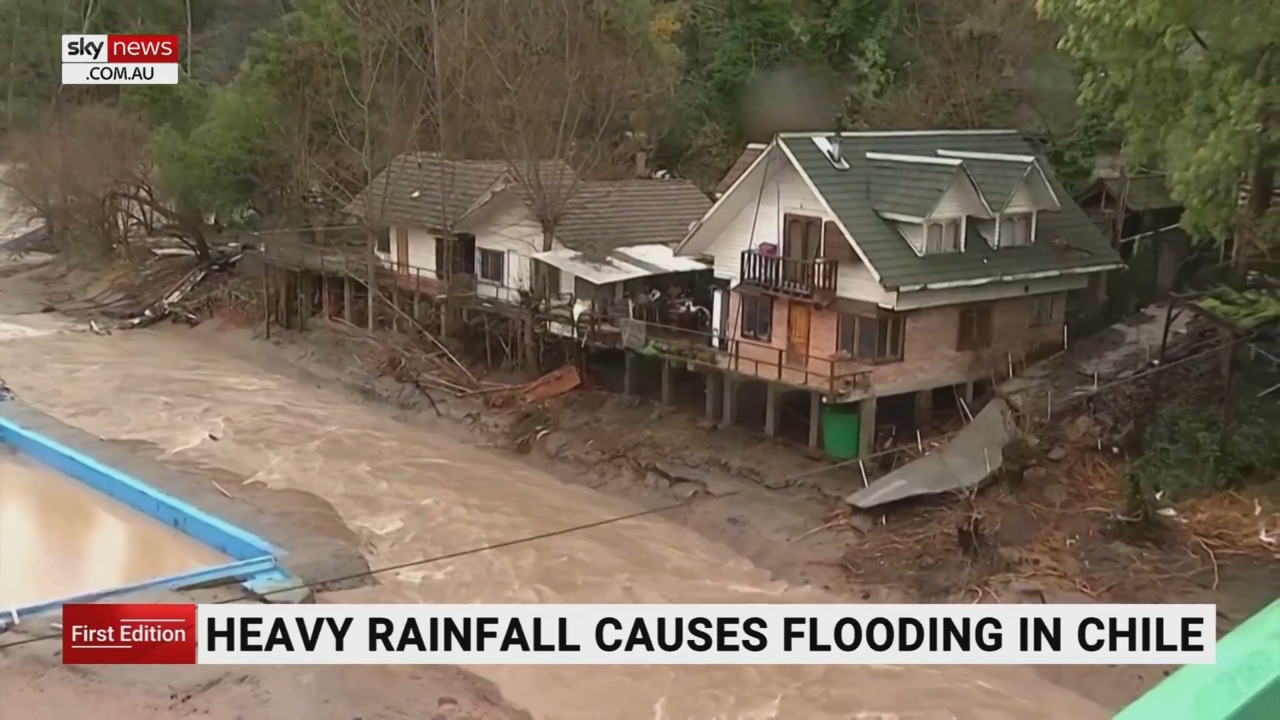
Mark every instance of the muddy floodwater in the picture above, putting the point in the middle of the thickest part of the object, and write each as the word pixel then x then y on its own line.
pixel 59 538
pixel 408 492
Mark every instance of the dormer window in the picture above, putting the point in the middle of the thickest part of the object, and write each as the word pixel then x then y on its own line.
pixel 1016 230
pixel 944 236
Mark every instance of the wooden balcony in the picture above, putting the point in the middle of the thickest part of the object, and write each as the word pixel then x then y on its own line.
pixel 788 276
pixel 835 374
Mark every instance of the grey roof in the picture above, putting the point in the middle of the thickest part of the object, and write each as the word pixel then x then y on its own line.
pixel 1145 192
pixel 1065 239
pixel 604 215
pixel 425 190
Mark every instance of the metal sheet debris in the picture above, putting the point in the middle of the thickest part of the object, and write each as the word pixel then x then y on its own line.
pixel 965 462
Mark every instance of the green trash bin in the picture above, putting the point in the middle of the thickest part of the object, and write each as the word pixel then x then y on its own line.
pixel 841 430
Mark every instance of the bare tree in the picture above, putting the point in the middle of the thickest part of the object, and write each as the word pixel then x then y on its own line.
pixel 559 85
pixel 375 111
pixel 81 173
pixel 976 64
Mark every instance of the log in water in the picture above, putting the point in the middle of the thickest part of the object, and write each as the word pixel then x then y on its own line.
pixel 59 538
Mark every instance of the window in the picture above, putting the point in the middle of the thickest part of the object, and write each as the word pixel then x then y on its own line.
pixel 757 317
pixel 944 237
pixel 1043 310
pixel 1016 230
pixel 874 339
pixel 384 241
pixel 491 266
pixel 803 237
pixel 975 328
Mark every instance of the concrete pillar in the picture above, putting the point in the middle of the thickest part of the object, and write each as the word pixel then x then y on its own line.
pixel 815 419
pixel 867 427
pixel 348 301
pixel 728 407
pixel 966 392
pixel 771 410
pixel 924 408
pixel 710 394
pixel 666 381
pixel 628 372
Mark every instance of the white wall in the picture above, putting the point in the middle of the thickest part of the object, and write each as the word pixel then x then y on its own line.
pixel 422 249
pixel 960 200
pixel 750 223
pixel 507 225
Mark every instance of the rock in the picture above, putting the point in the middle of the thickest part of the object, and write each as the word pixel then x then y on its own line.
pixel 706 423
pixel 659 413
pixel 1080 428
pixel 655 481
pixel 685 490
pixel 1058 454
pixel 630 401
pixel 1035 475
pixel 862 522
pixel 554 443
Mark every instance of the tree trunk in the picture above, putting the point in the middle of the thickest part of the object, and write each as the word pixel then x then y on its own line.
pixel 371 278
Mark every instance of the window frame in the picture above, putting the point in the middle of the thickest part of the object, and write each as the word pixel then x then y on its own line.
pixel 496 256
pixel 806 231
pixel 951 233
pixel 382 243
pixel 752 330
pixel 888 342
pixel 975 328
pixel 1024 221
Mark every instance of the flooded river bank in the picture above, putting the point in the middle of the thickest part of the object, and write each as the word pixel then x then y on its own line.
pixel 407 493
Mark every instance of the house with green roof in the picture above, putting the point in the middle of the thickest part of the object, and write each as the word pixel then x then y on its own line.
pixel 874 265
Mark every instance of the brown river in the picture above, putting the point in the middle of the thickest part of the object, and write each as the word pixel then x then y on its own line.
pixel 408 493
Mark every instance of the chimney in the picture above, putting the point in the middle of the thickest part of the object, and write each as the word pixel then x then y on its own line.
pixel 642 164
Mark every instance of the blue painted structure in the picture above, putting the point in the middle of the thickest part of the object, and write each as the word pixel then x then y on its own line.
pixel 253 563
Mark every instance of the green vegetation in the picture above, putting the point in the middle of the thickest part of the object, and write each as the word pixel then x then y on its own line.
pixel 286 111
pixel 1194 86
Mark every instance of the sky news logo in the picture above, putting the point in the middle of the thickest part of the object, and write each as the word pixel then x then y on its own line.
pixel 120 59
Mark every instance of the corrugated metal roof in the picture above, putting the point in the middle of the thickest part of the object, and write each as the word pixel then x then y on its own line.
pixel 620 264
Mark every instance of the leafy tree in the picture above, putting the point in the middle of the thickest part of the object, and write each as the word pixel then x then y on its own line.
pixel 1194 85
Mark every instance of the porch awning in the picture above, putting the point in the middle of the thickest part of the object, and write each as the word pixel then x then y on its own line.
pixel 621 264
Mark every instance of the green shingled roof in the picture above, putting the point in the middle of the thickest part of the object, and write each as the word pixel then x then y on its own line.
pixel 1064 240
pixel 907 188
pixel 997 179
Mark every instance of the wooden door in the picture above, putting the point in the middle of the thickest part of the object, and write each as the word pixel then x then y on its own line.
pixel 402 250
pixel 799 316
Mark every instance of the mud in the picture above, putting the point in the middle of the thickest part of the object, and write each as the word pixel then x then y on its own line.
pixel 408 492
pixel 60 539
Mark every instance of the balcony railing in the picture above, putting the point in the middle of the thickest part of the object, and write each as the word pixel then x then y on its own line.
pixel 835 374
pixel 802 278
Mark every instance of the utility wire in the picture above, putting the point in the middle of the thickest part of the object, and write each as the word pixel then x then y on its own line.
pixel 432 559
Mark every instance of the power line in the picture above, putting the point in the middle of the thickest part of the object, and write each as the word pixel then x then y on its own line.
pixel 432 559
